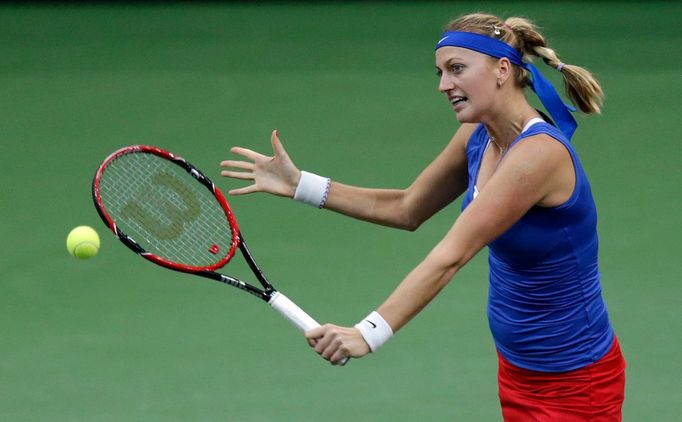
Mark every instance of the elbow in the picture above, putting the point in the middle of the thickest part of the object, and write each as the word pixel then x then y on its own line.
pixel 411 220
pixel 414 211
pixel 409 223
pixel 405 212
pixel 449 260
pixel 451 267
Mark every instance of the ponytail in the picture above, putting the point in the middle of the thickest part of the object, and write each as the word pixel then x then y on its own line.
pixel 581 86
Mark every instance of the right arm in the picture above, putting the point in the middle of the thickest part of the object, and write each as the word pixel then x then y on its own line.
pixel 438 185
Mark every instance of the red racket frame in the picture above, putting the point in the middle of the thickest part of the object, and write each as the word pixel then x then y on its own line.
pixel 194 172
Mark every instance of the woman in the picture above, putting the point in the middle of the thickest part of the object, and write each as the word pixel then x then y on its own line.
pixel 526 197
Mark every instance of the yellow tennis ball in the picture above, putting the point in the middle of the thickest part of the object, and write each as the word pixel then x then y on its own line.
pixel 83 242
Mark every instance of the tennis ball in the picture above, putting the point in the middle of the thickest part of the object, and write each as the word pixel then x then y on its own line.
pixel 83 242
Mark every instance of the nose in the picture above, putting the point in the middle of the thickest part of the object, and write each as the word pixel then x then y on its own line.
pixel 445 83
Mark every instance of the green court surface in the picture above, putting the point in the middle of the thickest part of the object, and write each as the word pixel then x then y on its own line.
pixel 352 89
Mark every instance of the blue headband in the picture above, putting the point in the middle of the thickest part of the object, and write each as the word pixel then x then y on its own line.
pixel 560 112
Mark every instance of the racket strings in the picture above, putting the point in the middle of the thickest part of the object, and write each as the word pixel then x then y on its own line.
pixel 165 210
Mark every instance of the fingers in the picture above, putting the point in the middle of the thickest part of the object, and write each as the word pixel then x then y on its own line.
pixel 327 345
pixel 315 333
pixel 276 175
pixel 244 190
pixel 245 152
pixel 338 357
pixel 243 175
pixel 277 147
pixel 274 140
pixel 243 165
pixel 333 343
pixel 237 174
pixel 237 164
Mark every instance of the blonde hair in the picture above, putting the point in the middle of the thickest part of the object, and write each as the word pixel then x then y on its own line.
pixel 581 86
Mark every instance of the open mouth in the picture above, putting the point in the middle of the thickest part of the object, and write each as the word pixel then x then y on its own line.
pixel 457 100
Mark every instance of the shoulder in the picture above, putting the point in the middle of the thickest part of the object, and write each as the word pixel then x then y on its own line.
pixel 477 134
pixel 549 131
pixel 541 150
pixel 460 140
pixel 542 167
pixel 467 131
pixel 469 135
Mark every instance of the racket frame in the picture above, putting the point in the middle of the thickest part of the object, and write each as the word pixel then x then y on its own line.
pixel 206 271
pixel 278 301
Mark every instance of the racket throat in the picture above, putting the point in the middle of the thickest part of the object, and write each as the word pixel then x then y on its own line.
pixel 263 295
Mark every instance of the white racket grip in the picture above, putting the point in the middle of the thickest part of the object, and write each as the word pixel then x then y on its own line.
pixel 292 312
pixel 295 315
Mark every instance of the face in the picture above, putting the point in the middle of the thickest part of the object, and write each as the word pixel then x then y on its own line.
pixel 469 81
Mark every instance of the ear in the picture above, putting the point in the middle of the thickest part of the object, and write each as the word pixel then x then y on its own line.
pixel 503 70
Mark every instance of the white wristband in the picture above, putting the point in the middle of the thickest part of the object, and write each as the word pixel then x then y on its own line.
pixel 375 330
pixel 312 189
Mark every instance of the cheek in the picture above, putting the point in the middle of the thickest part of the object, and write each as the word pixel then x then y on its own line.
pixel 486 81
pixel 481 93
pixel 487 91
pixel 479 81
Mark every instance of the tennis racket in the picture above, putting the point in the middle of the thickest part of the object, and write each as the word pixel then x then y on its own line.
pixel 167 211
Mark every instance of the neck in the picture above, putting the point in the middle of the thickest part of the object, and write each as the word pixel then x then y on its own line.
pixel 507 124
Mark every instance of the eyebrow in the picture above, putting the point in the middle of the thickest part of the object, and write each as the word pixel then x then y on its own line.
pixel 449 61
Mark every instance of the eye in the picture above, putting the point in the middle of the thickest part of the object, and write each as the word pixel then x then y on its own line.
pixel 457 68
pixel 439 73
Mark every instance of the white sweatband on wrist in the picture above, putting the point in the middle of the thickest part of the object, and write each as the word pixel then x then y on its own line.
pixel 375 330
pixel 312 189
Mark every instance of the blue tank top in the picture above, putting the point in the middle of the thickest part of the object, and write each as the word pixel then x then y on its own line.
pixel 545 306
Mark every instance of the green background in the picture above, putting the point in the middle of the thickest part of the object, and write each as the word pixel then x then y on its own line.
pixel 352 89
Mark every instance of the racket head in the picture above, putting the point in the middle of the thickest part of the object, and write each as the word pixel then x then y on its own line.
pixel 165 209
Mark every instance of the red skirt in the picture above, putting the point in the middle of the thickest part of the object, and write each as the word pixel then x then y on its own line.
pixel 593 393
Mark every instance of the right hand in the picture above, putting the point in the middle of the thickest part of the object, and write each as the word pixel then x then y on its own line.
pixel 276 175
pixel 335 343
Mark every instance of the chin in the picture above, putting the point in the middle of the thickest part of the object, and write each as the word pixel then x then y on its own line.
pixel 464 117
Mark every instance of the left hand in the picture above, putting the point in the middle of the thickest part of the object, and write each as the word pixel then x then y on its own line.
pixel 276 175
pixel 335 343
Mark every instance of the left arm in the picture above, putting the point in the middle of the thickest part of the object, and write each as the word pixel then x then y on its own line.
pixel 527 175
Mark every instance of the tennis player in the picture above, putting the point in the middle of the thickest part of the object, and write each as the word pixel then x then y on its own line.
pixel 526 197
